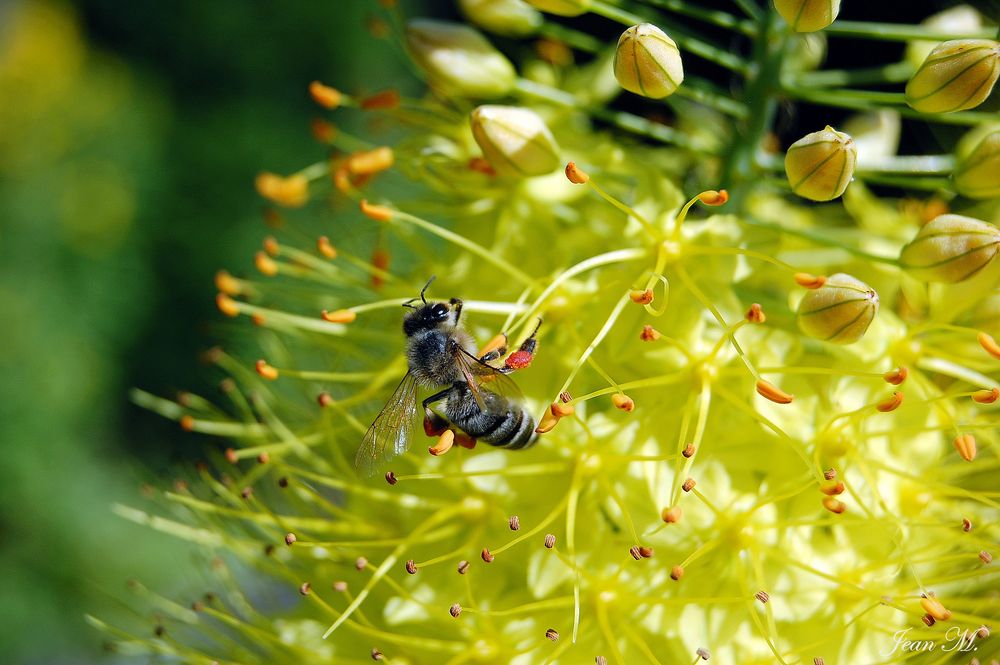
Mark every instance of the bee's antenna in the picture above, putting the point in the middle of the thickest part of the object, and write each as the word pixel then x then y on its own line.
pixel 426 286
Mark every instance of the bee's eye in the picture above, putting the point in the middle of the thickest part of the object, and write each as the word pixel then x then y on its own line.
pixel 439 311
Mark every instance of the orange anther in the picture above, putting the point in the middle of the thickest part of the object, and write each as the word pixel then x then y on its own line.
pixel 896 376
pixel 890 403
pixel 387 99
pixel 291 191
pixel 575 174
pixel 323 131
pixel 641 297
pixel 498 342
pixel 227 305
pixel 834 505
pixel 649 334
pixel 832 488
pixel 265 264
pixel 265 370
pixel 369 162
pixel 623 402
pixel 227 284
pixel 325 248
pixel 671 515
pixel 561 409
pixel 965 444
pixel 809 281
pixel 773 393
pixel 271 246
pixel 934 607
pixel 989 345
pixel 339 316
pixel 324 95
pixel 756 314
pixel 714 198
pixel 376 212
pixel 986 396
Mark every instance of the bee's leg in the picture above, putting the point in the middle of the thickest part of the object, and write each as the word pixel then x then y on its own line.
pixel 524 355
pixel 434 424
pixel 495 348
pixel 456 306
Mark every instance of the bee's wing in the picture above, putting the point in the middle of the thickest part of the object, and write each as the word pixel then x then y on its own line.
pixel 483 376
pixel 391 431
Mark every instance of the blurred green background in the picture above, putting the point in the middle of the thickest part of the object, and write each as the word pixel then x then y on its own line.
pixel 130 134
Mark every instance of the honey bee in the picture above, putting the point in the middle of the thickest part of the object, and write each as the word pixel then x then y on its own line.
pixel 479 398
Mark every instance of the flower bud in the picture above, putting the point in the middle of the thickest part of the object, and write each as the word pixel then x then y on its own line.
pixel 808 15
pixel 977 174
pixel 515 141
pixel 561 7
pixel 509 18
pixel 950 248
pixel 959 20
pixel 957 75
pixel 840 311
pixel 458 59
pixel 648 62
pixel 820 165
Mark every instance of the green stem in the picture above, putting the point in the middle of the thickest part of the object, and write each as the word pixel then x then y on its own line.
pixel 762 100
pixel 896 32
pixel 862 100
pixel 817 238
pixel 696 46
pixel 927 165
pixel 897 72
pixel 712 16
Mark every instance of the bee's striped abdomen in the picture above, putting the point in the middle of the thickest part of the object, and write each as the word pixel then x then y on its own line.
pixel 517 431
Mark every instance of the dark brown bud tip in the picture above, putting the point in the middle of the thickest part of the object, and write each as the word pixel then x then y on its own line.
pixel 305 588
pixel 390 478
pixel 463 567
pixel 551 634
pixel 290 538
pixel 550 541
pixel 487 555
pixel 455 610
pixel 514 523
pixel 411 567
pixel 376 655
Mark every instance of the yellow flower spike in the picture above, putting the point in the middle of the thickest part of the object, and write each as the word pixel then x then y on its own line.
pixel 515 141
pixel 444 443
pixel 977 174
pixel 772 392
pixel 339 316
pixel 324 95
pixel 896 376
pixel 227 305
pixel 808 15
pixel 820 165
pixel 290 192
pixel 509 18
pixel 324 247
pixel 623 402
pixel 756 314
pixel 561 7
pixel 840 311
pixel 575 174
pixel 950 248
pixel 228 284
pixel 989 344
pixel 459 60
pixel 265 264
pixel 265 370
pixel 956 76
pixel 376 212
pixel 890 403
pixel 648 62
pixel 935 608
pixel 986 396
pixel 808 281
pixel 370 162
pixel 965 444
pixel 835 506
pixel 641 297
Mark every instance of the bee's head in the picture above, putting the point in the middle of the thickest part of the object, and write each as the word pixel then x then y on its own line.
pixel 428 316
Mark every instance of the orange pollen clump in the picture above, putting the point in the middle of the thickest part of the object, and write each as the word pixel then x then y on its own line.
pixel 325 248
pixel 623 402
pixel 324 95
pixel 576 175
pixel 444 443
